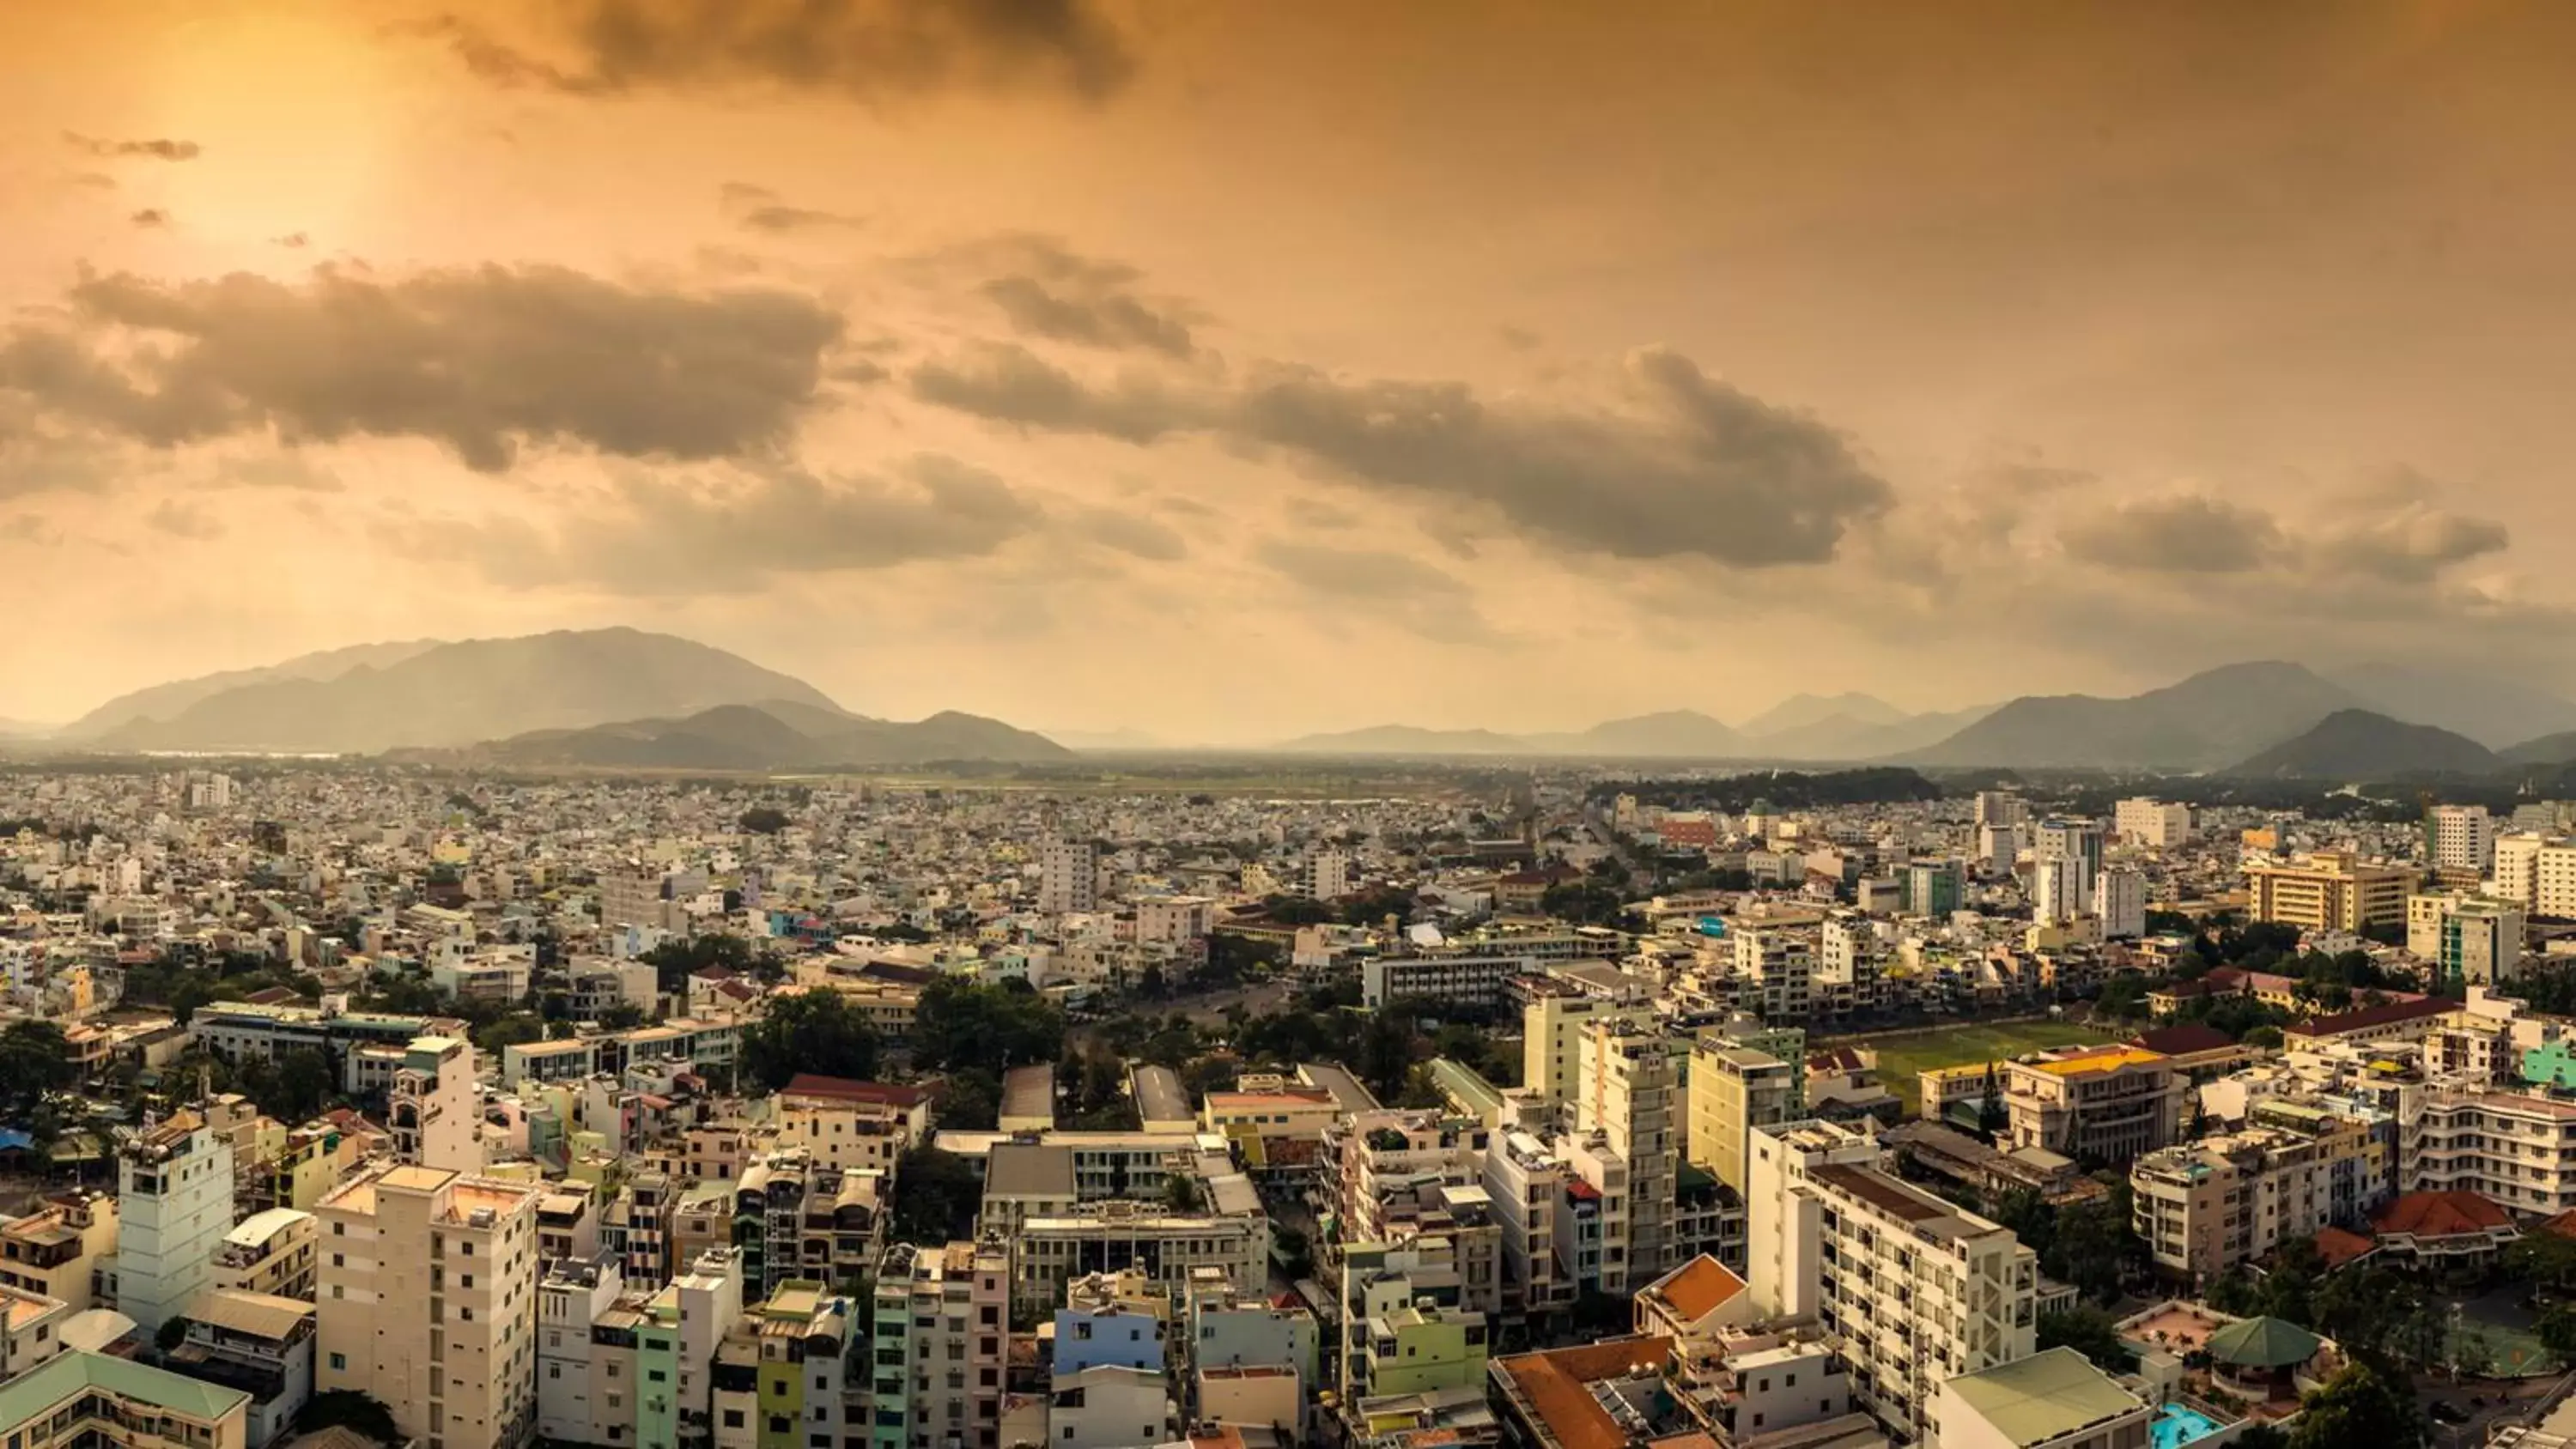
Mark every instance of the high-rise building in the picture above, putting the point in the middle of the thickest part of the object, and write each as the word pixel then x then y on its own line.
pixel 1934 887
pixel 2203 1207
pixel 1911 1288
pixel 174 1203
pixel 2120 899
pixel 2333 890
pixel 1849 977
pixel 2517 865
pixel 1554 1013
pixel 586 1380
pixel 1733 1091
pixel 1998 846
pixel 2460 839
pixel 2078 841
pixel 1631 1093
pixel 431 1108
pixel 2000 807
pixel 428 1302
pixel 2054 898
pixel 2155 824
pixel 1068 876
pixel 1775 971
pixel 2104 1103
pixel 1326 874
pixel 940 1344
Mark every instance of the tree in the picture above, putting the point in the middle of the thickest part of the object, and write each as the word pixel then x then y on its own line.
pixel 348 1409
pixel 35 1063
pixel 2361 1407
pixel 935 1197
pixel 763 820
pixel 1992 1118
pixel 809 1031
pixel 2091 1332
pixel 2556 1330
pixel 2262 1436
pixel 971 1100
pixel 674 961
pixel 2544 1260
pixel 517 1029
pixel 304 1085
pixel 1296 1253
pixel 1386 1054
pixel 960 1024
pixel 2093 1244
pixel 1181 1194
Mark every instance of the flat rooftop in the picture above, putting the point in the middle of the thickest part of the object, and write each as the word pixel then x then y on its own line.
pixel 2046 1396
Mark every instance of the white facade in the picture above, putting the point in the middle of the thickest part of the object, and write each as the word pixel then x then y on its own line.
pixel 2463 838
pixel 2120 897
pixel 432 1106
pixel 174 1204
pixel 2156 824
pixel 1630 1091
pixel 1068 877
pixel 1913 1289
pixel 2078 841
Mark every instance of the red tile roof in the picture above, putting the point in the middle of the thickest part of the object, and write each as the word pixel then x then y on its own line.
pixel 1699 1287
pixel 2370 1016
pixel 2183 1039
pixel 2338 1247
pixel 2441 1215
pixel 2564 1225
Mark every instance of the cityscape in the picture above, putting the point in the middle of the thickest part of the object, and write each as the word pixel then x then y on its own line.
pixel 1100 724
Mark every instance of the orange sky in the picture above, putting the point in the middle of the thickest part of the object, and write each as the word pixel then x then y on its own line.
pixel 1232 371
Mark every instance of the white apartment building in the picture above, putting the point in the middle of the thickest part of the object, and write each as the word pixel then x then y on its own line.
pixel 2469 940
pixel 2462 838
pixel 2516 1150
pixel 429 1302
pixel 2078 841
pixel 1068 877
pixel 1850 974
pixel 174 1203
pixel 1775 972
pixel 2203 1207
pixel 1527 1181
pixel 2055 894
pixel 585 1378
pixel 2120 899
pixel 2155 824
pixel 1326 874
pixel 1913 1289
pixel 1631 1093
pixel 432 1106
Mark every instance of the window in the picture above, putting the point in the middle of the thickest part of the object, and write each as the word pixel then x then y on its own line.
pixel 338 1361
pixel 733 1418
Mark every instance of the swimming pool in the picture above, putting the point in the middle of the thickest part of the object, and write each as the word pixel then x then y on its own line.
pixel 2177 1425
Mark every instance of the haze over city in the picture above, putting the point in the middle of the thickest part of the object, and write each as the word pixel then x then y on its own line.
pixel 1228 373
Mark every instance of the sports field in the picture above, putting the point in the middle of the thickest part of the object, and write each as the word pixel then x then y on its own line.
pixel 1904 1054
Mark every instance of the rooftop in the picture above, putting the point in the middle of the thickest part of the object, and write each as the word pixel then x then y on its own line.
pixel 2046 1396
pixel 66 1375
pixel 1552 1387
pixel 1698 1288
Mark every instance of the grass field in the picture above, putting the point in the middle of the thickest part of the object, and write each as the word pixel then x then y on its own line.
pixel 1902 1055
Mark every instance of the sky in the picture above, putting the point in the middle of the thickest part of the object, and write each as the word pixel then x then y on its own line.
pixel 1226 372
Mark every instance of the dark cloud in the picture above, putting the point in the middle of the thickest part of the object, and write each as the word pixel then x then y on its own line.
pixel 758 208
pixel 1699 468
pixel 157 150
pixel 1358 573
pixel 868 50
pixel 288 470
pixel 1010 384
pixel 292 241
pixel 150 216
pixel 1114 320
pixel 1315 513
pixel 480 360
pixel 780 218
pixel 2187 534
pixel 663 536
pixel 1133 533
pixel 184 520
pixel 1048 290
pixel 1518 339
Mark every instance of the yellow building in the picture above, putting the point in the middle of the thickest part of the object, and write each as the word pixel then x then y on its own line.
pixel 2108 1104
pixel 2333 890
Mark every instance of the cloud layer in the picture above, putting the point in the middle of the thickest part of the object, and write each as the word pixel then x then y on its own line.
pixel 1695 467
pixel 867 50
pixel 480 360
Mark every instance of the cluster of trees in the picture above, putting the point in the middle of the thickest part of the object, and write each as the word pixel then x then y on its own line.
pixel 35 1063
pixel 2088 1244
pixel 674 961
pixel 1591 902
pixel 181 987
pixel 2386 1324
pixel 809 1031
pixel 763 820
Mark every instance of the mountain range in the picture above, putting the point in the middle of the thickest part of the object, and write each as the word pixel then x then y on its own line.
pixel 772 735
pixel 2224 719
pixel 2359 744
pixel 1807 727
pixel 598 697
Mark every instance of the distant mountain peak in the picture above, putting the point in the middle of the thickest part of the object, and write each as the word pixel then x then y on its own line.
pixel 2361 744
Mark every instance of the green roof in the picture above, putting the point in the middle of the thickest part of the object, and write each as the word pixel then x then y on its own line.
pixel 2270 1343
pixel 66 1374
pixel 2045 1396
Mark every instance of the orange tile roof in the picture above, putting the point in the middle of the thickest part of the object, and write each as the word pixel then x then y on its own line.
pixel 1699 1287
pixel 1554 1385
pixel 2564 1224
pixel 2337 1247
pixel 2440 1215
